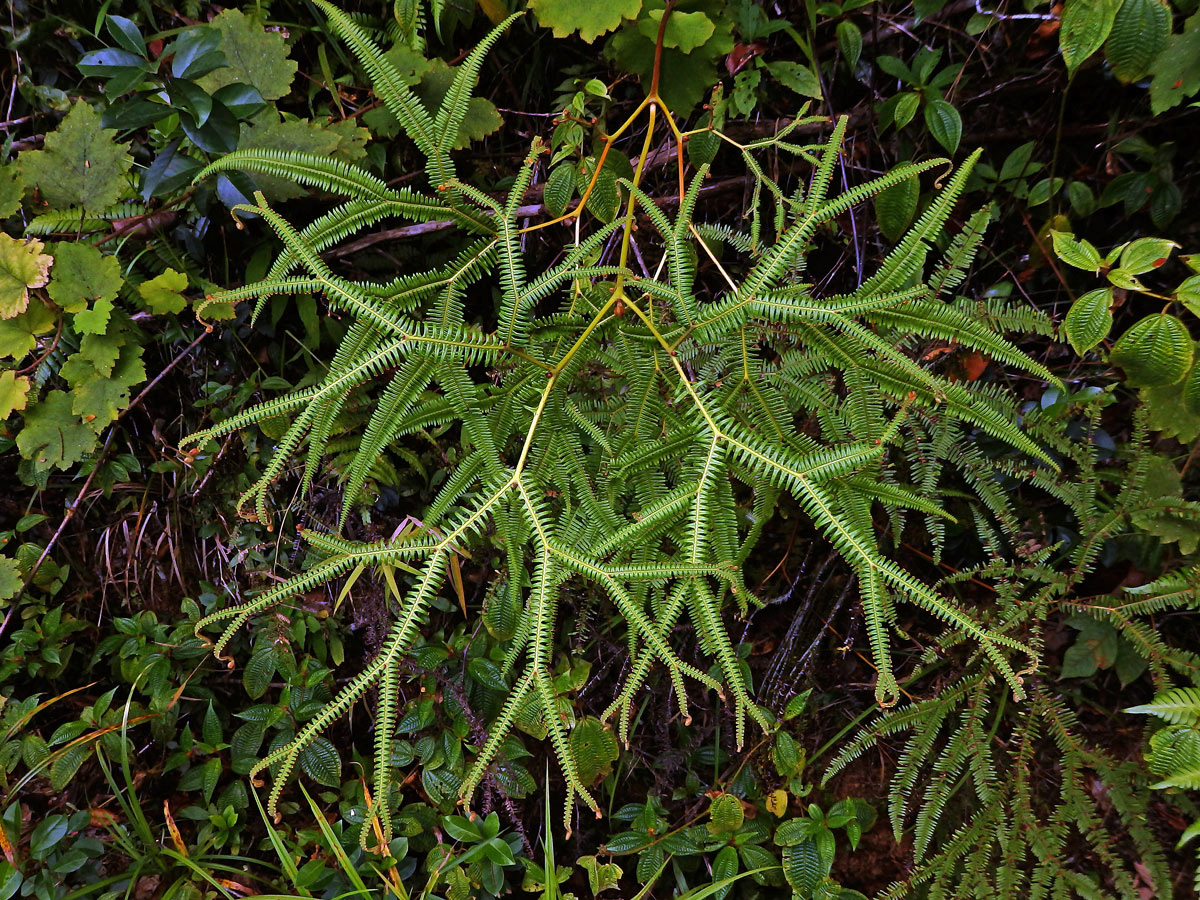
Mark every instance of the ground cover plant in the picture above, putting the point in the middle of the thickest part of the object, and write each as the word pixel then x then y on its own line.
pixel 667 449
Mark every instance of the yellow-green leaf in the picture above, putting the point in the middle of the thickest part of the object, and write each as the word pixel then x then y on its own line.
pixel 13 390
pixel 83 275
pixel 23 265
pixel 590 18
pixel 18 335
pixel 685 31
pixel 1089 320
pixel 162 294
pixel 1156 351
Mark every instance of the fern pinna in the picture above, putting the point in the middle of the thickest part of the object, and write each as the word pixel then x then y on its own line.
pixel 1006 799
pixel 608 412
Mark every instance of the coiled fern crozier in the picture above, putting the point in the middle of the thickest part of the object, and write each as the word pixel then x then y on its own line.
pixel 606 411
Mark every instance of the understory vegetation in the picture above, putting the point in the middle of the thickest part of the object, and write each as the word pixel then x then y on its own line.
pixel 701 448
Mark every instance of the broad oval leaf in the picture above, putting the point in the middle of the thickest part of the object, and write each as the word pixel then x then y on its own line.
pixel 896 206
pixel 1085 27
pixel 850 42
pixel 945 124
pixel 320 762
pixel 560 187
pixel 1139 33
pixel 1089 320
pixel 1156 351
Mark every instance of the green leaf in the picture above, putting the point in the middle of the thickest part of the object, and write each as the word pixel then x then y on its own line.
pixel 18 335
pixel 1167 413
pixel 22 266
pixel 589 18
pixel 560 188
pixel 46 836
pixel 725 814
pixel 481 119
pixel 12 186
pixel 906 107
pixel 1139 33
pixel 1095 647
pixel 1191 391
pixel 254 55
pixel 259 671
pixel 53 436
pixel 685 31
pixel 13 391
pixel 601 876
pixel 594 747
pixel 97 398
pixel 1085 27
pixel 320 762
pixel 1177 68
pixel 1077 253
pixel 803 868
pixel 269 130
pixel 850 42
pixel 1146 255
pixel 896 206
pixel 162 294
pixel 1089 320
pixel 83 275
pixel 1156 351
pixel 796 77
pixel 81 165
pixel 94 320
pixel 944 123
pixel 10 577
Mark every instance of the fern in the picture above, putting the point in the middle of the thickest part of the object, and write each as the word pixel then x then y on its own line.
pixel 623 481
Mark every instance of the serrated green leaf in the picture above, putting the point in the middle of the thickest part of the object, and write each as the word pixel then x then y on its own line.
pixel 685 31
pixel 10 577
pixel 162 294
pixel 22 266
pixel 560 188
pixel 850 42
pixel 1177 68
pixel 895 208
pixel 601 876
pixel 13 390
pixel 481 119
pixel 944 123
pixel 12 186
pixel 94 320
pixel 1155 352
pixel 98 398
pixel 725 814
pixel 589 18
pixel 53 436
pixel 254 55
pixel 1077 253
pixel 1089 320
pixel 797 78
pixel 594 747
pixel 1085 27
pixel 320 762
pixel 1139 33
pixel 83 275
pixel 18 335
pixel 81 165
pixel 1146 255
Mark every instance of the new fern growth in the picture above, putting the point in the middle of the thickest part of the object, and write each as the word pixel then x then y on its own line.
pixel 610 415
